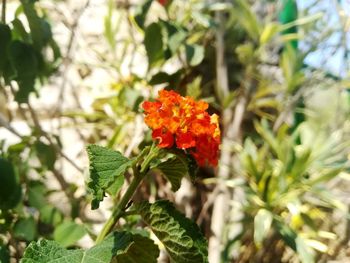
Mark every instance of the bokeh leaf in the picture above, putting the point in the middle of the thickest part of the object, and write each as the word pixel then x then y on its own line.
pixel 194 54
pixel 4 255
pixel 154 43
pixel 25 229
pixel 25 64
pixel 262 224
pixel 5 36
pixel 68 233
pixel 10 190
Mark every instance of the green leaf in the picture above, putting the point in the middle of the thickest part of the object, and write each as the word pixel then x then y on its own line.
pixel 4 255
pixel 174 169
pixel 288 235
pixel 10 189
pixel 194 88
pixel 50 215
pixel 19 31
pixel 106 166
pixel 262 224
pixel 159 78
pixel 175 36
pixel 141 13
pixel 39 28
pixel 36 191
pixel 46 154
pixel 24 61
pixel 247 19
pixel 141 250
pixel 25 229
pixel 154 43
pixel 163 77
pixel 68 233
pixel 194 54
pixel 125 246
pixel 305 253
pixel 5 36
pixel 181 237
pixel 269 31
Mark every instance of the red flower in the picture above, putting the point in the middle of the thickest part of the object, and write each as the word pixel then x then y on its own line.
pixel 181 120
pixel 163 2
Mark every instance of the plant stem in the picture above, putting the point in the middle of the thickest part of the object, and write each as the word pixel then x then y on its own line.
pixel 3 12
pixel 119 209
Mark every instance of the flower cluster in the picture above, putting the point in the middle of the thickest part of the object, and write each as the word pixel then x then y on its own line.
pixel 163 2
pixel 185 122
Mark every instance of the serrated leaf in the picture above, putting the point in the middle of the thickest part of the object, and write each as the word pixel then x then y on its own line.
pixel 194 54
pixel 262 224
pixel 174 169
pixel 154 43
pixel 181 237
pixel 68 233
pixel 106 166
pixel 141 250
pixel 123 245
pixel 10 189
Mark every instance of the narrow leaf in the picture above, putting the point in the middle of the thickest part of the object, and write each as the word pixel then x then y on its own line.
pixel 262 224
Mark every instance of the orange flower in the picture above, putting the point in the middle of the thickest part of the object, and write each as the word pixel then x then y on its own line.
pixel 185 122
pixel 163 2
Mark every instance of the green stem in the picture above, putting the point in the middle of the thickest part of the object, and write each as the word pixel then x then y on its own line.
pixel 119 209
pixel 3 12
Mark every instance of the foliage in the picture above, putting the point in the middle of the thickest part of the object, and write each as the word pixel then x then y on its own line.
pixel 283 161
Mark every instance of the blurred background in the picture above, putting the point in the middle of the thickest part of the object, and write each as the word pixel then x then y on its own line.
pixel 73 73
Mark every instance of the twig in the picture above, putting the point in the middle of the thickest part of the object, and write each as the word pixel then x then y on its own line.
pixel 68 54
pixel 7 126
pixel 207 205
pixel 46 135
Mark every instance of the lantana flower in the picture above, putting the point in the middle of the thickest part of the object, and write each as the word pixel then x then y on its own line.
pixel 185 123
pixel 163 2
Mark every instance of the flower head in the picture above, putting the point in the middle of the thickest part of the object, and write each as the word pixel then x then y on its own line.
pixel 184 122
pixel 163 2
